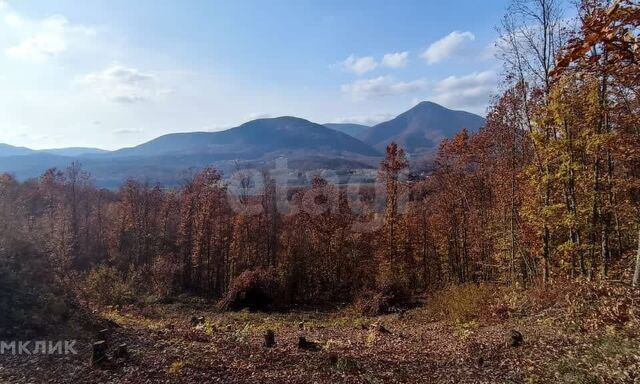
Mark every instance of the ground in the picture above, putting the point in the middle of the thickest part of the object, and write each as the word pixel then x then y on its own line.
pixel 408 347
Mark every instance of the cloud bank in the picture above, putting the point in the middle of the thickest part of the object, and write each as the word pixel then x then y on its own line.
pixel 453 45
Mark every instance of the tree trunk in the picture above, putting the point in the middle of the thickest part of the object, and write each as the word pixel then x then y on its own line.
pixel 545 254
pixel 546 247
pixel 595 218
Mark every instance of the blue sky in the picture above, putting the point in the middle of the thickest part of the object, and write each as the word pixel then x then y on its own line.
pixel 113 73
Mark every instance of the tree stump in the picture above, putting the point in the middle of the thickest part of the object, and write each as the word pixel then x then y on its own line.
pixel 333 358
pixel 269 339
pixel 381 328
pixel 197 320
pixel 516 338
pixel 99 353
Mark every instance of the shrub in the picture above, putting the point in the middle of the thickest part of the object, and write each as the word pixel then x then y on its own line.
pixel 163 274
pixel 388 298
pixel 462 303
pixel 105 285
pixel 254 289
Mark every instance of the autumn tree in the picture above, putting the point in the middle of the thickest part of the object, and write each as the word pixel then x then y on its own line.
pixel 205 234
pixel 393 242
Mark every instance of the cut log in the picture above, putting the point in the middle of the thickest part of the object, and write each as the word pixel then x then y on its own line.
pixel 99 353
pixel 303 343
pixel 269 339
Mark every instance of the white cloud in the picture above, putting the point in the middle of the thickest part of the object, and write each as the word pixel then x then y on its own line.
pixel 359 65
pixel 128 131
pixel 452 45
pixel 40 39
pixel 395 60
pixel 258 115
pixel 469 92
pixel 122 84
pixel 369 120
pixel 380 86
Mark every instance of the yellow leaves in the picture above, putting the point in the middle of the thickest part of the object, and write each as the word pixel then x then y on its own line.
pixel 176 367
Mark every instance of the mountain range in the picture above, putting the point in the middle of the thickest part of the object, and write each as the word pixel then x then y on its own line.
pixel 255 139
pixel 9 150
pixel 257 143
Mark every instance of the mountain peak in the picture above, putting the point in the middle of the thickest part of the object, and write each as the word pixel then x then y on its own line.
pixel 429 106
pixel 421 128
pixel 278 121
pixel 427 103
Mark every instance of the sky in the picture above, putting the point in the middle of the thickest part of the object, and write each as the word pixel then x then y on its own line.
pixel 115 73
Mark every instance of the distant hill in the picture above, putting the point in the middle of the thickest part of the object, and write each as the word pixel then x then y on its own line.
pixel 10 150
pixel 253 140
pixel 355 130
pixel 7 150
pixel 421 128
pixel 75 151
